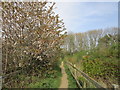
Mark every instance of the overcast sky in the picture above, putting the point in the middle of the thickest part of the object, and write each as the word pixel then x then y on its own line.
pixel 84 16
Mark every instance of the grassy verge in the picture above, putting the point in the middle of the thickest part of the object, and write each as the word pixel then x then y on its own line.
pixel 47 78
pixel 71 81
pixel 51 80
pixel 47 83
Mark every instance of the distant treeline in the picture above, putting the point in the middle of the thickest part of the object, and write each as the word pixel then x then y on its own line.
pixel 88 40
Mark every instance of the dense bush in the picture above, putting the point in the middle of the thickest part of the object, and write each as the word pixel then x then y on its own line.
pixel 32 37
pixel 101 63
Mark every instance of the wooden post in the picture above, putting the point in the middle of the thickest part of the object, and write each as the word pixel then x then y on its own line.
pixel 75 71
pixel 84 84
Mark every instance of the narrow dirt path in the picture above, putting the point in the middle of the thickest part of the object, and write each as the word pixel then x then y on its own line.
pixel 64 80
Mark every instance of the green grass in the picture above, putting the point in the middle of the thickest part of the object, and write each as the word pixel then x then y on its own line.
pixel 47 83
pixel 52 79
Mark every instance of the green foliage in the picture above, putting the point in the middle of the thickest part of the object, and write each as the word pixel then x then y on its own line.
pixel 81 78
pixel 114 50
pixel 51 79
pixel 100 62
pixel 46 83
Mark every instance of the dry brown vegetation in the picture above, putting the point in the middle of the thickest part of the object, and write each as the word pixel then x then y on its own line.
pixel 31 37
